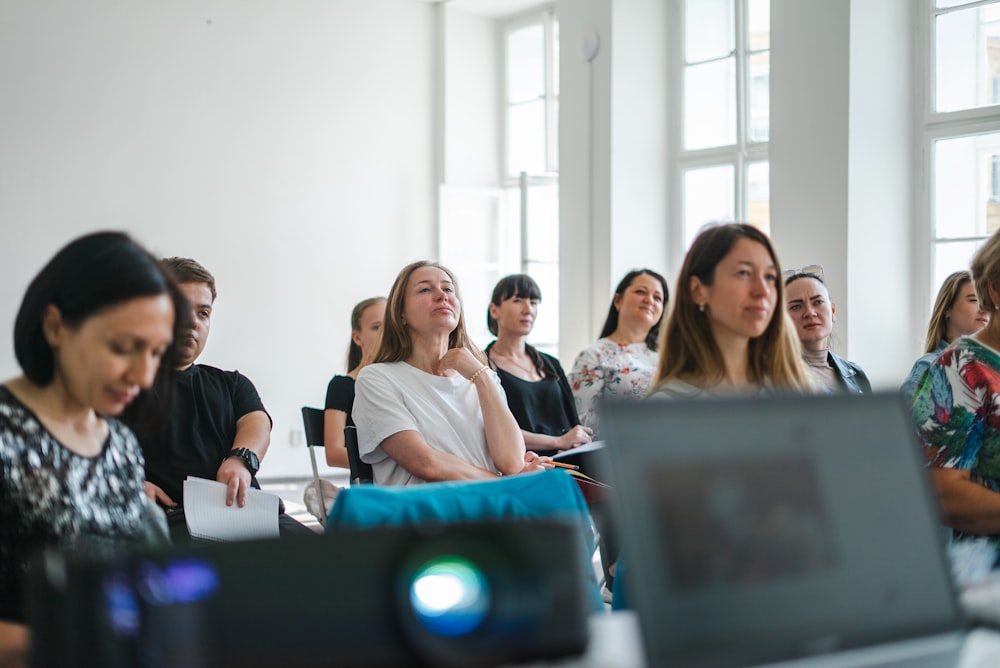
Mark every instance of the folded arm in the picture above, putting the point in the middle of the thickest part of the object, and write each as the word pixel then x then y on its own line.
pixel 966 505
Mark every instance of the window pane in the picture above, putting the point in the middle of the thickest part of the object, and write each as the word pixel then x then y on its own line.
pixel 949 257
pixel 709 197
pixel 709 29
pixel 526 138
pixel 759 89
pixel 710 104
pixel 555 58
pixel 553 148
pixel 967 56
pixel 759 195
pixel 966 197
pixel 546 329
pixel 759 24
pixel 543 224
pixel 526 63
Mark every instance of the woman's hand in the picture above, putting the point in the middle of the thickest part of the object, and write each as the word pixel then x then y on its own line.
pixel 534 463
pixel 575 437
pixel 459 360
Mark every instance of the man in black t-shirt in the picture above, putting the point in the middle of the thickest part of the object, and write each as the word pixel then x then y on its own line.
pixel 218 428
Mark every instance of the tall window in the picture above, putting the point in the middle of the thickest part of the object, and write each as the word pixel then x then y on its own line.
pixel 725 127
pixel 531 155
pixel 963 130
pixel 512 226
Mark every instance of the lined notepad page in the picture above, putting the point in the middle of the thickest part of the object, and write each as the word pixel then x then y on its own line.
pixel 209 518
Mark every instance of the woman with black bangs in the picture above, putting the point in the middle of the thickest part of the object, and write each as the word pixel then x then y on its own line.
pixel 538 393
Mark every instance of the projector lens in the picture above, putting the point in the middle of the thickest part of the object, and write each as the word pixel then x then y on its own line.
pixel 450 596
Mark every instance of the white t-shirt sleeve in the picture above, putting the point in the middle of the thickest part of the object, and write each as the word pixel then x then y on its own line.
pixel 379 411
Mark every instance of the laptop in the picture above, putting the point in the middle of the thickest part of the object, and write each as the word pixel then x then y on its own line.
pixel 776 529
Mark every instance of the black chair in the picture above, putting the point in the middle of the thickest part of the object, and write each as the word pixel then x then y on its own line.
pixel 312 421
pixel 361 473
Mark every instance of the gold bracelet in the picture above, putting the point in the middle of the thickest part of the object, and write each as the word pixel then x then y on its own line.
pixel 472 378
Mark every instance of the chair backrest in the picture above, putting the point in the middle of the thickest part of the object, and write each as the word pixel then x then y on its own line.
pixel 361 473
pixel 312 422
pixel 547 495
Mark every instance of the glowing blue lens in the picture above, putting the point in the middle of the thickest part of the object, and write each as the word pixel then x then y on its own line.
pixel 450 596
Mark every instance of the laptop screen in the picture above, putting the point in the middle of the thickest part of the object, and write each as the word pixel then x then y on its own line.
pixel 770 528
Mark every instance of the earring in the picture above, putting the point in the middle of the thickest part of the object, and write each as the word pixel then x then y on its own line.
pixel 701 308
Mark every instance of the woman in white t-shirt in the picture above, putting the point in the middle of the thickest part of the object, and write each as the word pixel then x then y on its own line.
pixel 428 407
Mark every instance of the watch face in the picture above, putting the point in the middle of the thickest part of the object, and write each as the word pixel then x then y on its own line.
pixel 249 458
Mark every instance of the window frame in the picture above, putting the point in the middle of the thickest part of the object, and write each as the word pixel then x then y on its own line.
pixel 739 155
pixel 935 126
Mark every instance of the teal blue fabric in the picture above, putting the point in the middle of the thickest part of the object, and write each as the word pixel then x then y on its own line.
pixel 546 495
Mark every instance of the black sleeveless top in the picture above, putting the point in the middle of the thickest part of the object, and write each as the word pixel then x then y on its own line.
pixel 542 406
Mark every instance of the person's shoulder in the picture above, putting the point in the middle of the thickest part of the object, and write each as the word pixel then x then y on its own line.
pixel 551 360
pixel 379 370
pixel 211 371
pixel 339 381
pixel 675 388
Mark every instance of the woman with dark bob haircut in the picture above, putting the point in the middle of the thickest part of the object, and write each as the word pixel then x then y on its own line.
pixel 537 391
pixel 622 362
pixel 93 328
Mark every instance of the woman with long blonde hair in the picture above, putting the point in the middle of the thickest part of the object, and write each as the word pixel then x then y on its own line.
pixel 728 331
pixel 428 407
pixel 956 313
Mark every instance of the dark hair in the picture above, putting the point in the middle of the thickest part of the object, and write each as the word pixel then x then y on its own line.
pixel 525 287
pixel 92 273
pixel 354 351
pixel 514 285
pixel 186 270
pixel 611 322
pixel 804 274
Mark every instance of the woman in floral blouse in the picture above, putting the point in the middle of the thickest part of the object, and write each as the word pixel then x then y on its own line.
pixel 622 362
pixel 956 407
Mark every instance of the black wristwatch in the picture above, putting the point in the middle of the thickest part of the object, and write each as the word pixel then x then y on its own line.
pixel 248 457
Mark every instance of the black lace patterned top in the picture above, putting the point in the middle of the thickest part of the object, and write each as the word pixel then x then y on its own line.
pixel 52 496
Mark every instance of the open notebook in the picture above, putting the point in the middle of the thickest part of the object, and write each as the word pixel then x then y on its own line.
pixel 209 518
pixel 771 529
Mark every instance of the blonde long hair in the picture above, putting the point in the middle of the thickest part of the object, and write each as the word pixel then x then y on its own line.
pixel 688 350
pixel 395 342
pixel 937 328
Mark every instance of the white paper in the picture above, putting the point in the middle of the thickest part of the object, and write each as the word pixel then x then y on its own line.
pixel 588 447
pixel 209 518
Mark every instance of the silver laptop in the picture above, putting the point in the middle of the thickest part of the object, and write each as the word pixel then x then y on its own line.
pixel 772 530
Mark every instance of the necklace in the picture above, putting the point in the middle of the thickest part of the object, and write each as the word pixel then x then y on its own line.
pixel 530 370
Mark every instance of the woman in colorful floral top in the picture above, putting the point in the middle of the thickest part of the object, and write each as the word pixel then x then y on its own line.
pixel 621 363
pixel 956 313
pixel 956 407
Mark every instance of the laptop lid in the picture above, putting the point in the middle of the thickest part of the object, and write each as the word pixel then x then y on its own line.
pixel 763 529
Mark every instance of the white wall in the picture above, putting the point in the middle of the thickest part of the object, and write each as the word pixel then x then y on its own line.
pixel 282 144
pixel 842 161
pixel 471 99
pixel 612 157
